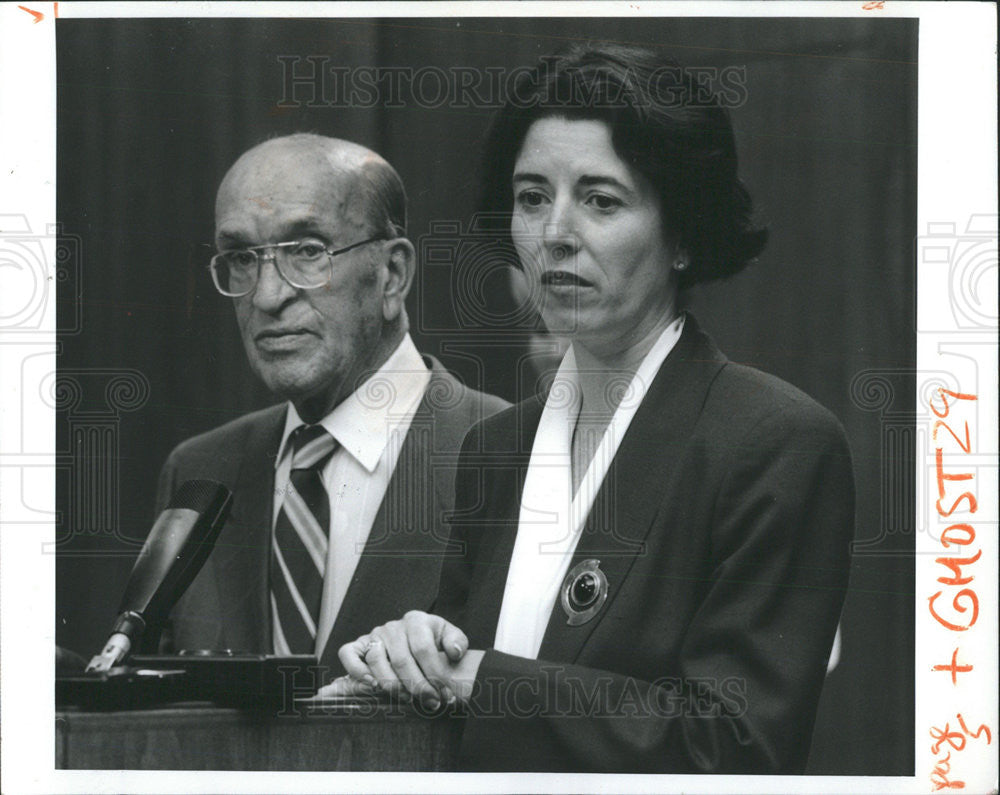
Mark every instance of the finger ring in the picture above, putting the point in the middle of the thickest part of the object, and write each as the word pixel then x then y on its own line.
pixel 371 645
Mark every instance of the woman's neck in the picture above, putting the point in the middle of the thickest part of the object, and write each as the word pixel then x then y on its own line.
pixel 604 380
pixel 605 373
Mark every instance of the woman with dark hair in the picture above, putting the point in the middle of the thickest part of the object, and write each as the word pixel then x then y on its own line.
pixel 650 558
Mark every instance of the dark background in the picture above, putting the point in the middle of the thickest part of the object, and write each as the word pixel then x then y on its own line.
pixel 151 113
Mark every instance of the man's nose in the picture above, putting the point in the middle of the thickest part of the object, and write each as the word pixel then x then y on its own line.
pixel 272 291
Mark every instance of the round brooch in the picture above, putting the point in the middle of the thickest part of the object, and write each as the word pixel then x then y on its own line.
pixel 584 591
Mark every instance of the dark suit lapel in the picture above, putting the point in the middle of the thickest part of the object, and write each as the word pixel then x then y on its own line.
pixel 242 556
pixel 499 518
pixel 407 526
pixel 639 477
pixel 373 590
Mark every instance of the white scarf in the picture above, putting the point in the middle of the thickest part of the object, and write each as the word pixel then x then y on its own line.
pixel 552 517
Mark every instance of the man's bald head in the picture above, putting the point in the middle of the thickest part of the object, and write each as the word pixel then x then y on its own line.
pixel 289 201
pixel 371 192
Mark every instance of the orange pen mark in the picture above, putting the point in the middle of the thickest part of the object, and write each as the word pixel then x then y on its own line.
pixel 965 593
pixel 939 778
pixel 955 668
pixel 55 10
pixel 982 728
pixel 955 739
pixel 38 15
pixel 957 395
pixel 874 5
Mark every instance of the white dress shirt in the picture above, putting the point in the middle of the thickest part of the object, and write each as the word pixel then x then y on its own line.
pixel 370 426
pixel 552 517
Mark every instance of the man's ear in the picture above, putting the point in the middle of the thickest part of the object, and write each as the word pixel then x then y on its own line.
pixel 400 265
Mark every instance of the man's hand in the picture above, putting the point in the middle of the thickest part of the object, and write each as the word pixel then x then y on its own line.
pixel 421 655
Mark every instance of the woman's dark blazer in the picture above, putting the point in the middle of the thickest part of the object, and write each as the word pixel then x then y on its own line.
pixel 723 527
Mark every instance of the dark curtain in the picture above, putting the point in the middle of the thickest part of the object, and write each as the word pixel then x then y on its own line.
pixel 151 113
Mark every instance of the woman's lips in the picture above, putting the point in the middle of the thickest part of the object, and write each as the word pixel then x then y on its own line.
pixel 568 279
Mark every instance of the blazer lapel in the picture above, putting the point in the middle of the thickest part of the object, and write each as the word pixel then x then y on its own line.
pixel 500 514
pixel 242 558
pixel 408 530
pixel 638 478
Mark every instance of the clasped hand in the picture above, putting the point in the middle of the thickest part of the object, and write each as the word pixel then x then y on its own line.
pixel 421 656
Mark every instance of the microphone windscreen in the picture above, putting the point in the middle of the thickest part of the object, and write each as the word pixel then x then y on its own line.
pixel 198 495
pixel 176 549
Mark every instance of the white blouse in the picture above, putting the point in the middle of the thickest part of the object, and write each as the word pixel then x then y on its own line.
pixel 552 517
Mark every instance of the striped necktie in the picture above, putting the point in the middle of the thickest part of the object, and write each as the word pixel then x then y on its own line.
pixel 299 545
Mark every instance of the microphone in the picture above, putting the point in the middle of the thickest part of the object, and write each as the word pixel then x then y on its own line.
pixel 176 549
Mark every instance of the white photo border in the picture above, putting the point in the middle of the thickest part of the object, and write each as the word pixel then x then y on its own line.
pixel 957 202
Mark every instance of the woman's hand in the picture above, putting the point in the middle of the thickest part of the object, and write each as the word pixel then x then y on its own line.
pixel 345 687
pixel 421 655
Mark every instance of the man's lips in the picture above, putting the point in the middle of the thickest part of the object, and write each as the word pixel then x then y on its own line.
pixel 275 339
pixel 560 278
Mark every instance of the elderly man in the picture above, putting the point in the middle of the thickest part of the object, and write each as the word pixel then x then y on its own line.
pixel 340 494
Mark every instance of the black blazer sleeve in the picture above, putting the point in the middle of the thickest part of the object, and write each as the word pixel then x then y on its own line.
pixel 456 569
pixel 739 692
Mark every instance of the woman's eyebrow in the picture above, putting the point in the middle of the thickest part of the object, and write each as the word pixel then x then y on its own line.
pixel 588 181
pixel 527 176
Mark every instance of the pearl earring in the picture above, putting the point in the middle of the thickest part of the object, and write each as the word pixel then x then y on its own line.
pixel 680 265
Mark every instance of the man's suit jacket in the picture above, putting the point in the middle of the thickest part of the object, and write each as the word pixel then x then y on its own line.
pixel 723 529
pixel 227 605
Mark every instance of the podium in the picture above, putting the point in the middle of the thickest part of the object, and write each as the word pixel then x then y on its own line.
pixel 346 735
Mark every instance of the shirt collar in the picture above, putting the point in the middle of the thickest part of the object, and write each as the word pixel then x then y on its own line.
pixel 363 421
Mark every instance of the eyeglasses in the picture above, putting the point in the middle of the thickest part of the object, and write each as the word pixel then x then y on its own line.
pixel 305 264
